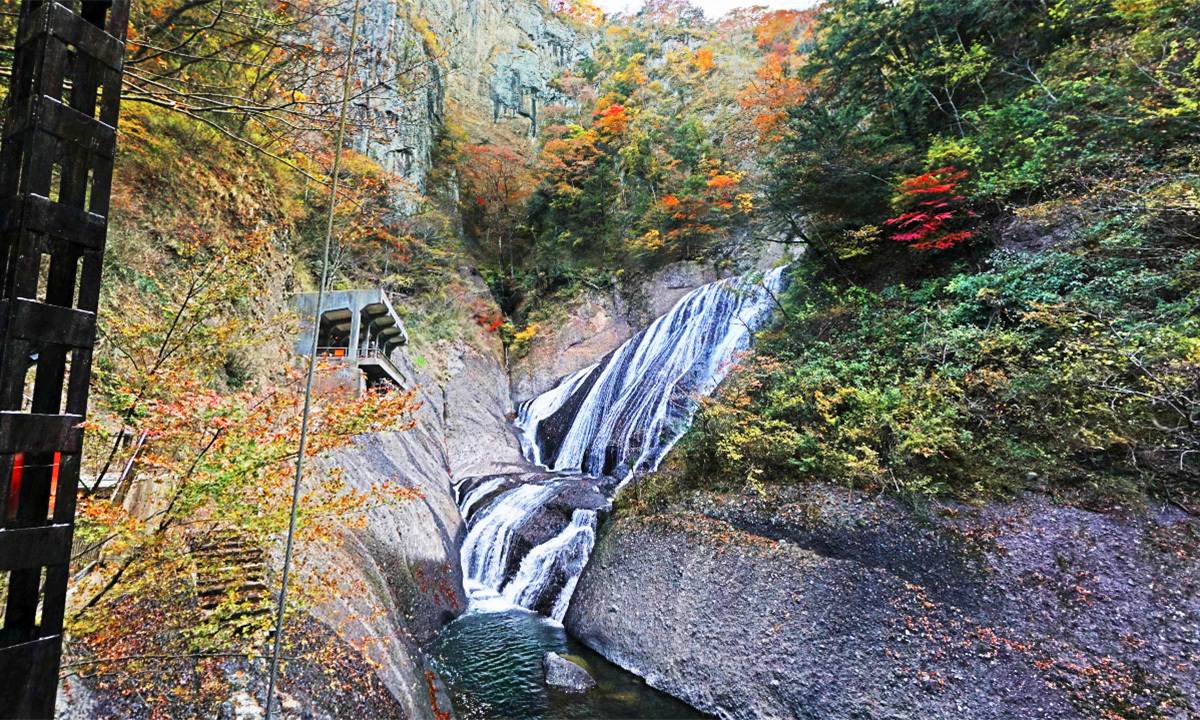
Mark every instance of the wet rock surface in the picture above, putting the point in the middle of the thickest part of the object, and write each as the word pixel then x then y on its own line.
pixel 552 430
pixel 824 603
pixel 566 675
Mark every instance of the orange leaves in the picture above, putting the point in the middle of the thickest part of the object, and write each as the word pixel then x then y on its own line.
pixel 227 462
pixel 612 121
pixel 498 180
pixel 768 98
pixel 781 35
pixel 942 180
pixel 782 32
pixel 584 12
pixel 685 223
pixel 704 60
pixel 721 182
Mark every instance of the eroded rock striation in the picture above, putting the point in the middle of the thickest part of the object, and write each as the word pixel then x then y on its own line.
pixel 830 604
pixel 493 60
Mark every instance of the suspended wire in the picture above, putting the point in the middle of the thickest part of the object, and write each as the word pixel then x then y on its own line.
pixel 312 364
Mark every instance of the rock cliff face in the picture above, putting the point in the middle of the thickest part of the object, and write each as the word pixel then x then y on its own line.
pixel 502 55
pixel 398 61
pixel 490 61
pixel 827 604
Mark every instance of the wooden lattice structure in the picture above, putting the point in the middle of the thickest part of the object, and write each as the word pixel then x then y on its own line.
pixel 56 164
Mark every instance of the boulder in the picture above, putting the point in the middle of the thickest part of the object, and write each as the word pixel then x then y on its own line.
pixel 566 675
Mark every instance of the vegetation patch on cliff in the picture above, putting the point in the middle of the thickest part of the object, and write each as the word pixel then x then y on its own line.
pixel 984 304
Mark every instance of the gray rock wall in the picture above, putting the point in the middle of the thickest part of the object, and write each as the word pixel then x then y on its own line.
pixel 399 116
pixel 502 55
pixel 493 60
pixel 396 581
pixel 833 605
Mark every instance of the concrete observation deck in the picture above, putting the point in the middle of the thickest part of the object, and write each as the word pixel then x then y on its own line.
pixel 358 329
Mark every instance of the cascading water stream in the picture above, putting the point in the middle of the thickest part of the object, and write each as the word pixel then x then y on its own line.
pixel 567 553
pixel 610 420
pixel 641 402
pixel 485 551
pixel 545 405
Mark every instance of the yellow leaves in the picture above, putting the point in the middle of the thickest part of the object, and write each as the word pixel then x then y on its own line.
pixel 583 12
pixel 1052 314
pixel 651 242
pixel 527 334
pixel 1191 349
pixel 745 202
pixel 859 242
pixel 827 404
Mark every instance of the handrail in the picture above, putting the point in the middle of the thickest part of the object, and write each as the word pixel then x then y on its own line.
pixel 374 352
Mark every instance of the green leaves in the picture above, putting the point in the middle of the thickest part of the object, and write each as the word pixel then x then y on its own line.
pixel 1078 364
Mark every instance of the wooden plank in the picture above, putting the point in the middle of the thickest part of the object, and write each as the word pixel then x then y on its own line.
pixel 41 214
pixel 24 668
pixel 33 320
pixel 37 433
pixel 56 20
pixel 48 115
pixel 35 547
pixel 57 51
pixel 87 38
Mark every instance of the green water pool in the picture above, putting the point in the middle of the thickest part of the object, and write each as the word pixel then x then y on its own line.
pixel 492 665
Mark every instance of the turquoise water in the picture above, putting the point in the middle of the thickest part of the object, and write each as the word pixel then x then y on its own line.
pixel 492 665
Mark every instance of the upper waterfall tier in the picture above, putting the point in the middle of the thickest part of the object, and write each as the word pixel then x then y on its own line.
pixel 623 415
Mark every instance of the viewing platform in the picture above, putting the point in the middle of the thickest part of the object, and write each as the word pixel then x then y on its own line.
pixel 359 329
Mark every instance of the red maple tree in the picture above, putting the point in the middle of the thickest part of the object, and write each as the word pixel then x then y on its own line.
pixel 934 212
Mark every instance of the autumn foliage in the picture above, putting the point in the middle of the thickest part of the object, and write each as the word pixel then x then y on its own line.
pixel 201 444
pixel 934 213
pixel 495 184
pixel 583 12
pixel 782 37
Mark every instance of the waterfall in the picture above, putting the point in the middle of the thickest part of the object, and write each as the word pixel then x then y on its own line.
pixel 542 407
pixel 478 493
pixel 485 551
pixel 613 419
pixel 560 559
pixel 642 401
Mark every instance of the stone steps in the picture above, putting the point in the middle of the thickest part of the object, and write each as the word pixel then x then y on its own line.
pixel 230 579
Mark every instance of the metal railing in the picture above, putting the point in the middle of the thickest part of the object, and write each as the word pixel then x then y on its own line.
pixel 337 353
pixel 378 354
pixel 373 352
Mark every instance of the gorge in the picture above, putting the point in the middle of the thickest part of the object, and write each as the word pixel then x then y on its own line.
pixel 836 362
